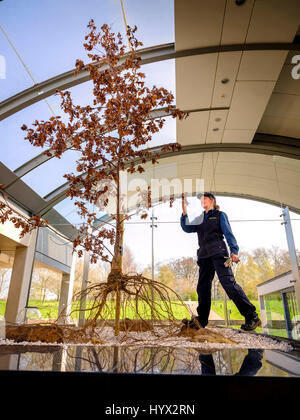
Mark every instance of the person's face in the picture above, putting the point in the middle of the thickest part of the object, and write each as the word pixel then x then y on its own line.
pixel 207 202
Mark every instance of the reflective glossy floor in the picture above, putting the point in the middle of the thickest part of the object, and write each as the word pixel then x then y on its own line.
pixel 150 360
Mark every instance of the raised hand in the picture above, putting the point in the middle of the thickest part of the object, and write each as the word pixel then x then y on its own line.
pixel 184 204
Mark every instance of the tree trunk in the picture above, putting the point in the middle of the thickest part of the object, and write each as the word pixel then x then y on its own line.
pixel 118 307
pixel 44 295
pixel 117 269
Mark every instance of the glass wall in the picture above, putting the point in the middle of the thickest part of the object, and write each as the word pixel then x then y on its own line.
pixel 6 264
pixel 282 314
pixel 275 314
pixel 292 314
pixel 44 293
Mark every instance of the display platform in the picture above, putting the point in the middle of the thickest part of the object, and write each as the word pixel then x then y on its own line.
pixel 120 375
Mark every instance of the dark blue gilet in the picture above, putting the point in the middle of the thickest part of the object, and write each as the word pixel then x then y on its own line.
pixel 210 236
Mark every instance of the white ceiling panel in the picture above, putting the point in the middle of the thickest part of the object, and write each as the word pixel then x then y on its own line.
pixel 250 168
pixel 283 105
pixel 230 185
pixel 274 21
pixel 279 126
pixel 193 129
pixel 287 163
pixel 238 136
pixel 261 65
pixel 256 86
pixel 238 172
pixel 236 22
pixel 248 182
pixel 208 170
pixel 194 81
pixel 198 23
pixel 228 65
pixel 235 157
pixel 216 125
pixel 289 177
pixel 248 103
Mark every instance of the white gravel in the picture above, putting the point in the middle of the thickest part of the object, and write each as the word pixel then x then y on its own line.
pixel 147 339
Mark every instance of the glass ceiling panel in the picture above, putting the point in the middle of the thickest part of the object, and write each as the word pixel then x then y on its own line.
pixel 161 74
pixel 154 20
pixel 48 35
pixel 12 137
pixel 49 176
pixel 57 51
pixel 69 211
pixel 18 150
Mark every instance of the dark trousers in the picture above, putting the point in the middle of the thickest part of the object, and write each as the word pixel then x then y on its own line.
pixel 207 268
pixel 250 366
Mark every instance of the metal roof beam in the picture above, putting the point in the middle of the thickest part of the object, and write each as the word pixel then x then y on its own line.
pixel 26 199
pixel 148 55
pixel 38 160
pixel 262 144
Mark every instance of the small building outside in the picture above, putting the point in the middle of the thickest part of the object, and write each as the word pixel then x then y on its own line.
pixel 278 306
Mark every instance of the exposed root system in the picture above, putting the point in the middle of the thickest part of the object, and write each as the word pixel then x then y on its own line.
pixel 135 325
pixel 130 303
pixel 34 333
pixel 204 335
pixel 126 303
pixel 49 333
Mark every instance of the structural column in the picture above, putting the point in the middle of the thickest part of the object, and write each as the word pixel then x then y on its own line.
pixel 59 361
pixel 66 294
pixel 15 312
pixel 84 285
pixel 9 361
pixel 263 315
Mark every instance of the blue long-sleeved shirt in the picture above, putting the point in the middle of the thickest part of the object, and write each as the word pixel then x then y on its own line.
pixel 224 223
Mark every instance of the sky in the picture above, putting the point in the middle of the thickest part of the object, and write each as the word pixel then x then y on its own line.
pixel 48 35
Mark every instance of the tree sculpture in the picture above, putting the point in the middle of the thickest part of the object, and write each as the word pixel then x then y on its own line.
pixel 110 136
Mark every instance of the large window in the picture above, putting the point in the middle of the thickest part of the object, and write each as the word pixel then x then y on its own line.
pixel 282 313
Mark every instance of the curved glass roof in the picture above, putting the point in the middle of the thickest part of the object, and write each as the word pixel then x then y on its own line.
pixel 49 35
pixel 49 43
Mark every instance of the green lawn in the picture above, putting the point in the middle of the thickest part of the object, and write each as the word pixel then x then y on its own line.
pixel 144 310
pixel 218 307
pixel 49 310
pixel 2 307
pixel 274 308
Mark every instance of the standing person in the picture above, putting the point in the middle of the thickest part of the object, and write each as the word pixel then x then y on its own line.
pixel 210 227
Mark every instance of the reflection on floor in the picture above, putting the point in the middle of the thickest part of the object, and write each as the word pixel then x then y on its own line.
pixel 152 360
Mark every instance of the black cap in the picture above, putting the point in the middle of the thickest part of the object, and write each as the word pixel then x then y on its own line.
pixel 206 194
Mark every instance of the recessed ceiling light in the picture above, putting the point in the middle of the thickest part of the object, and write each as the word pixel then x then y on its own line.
pixel 215 129
pixel 240 2
pixel 225 80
